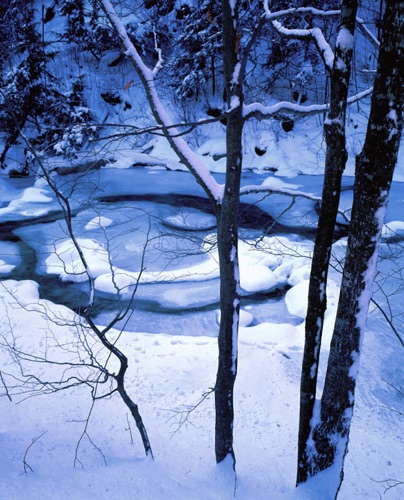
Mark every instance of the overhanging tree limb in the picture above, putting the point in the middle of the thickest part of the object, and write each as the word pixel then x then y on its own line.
pixel 195 165
pixel 261 112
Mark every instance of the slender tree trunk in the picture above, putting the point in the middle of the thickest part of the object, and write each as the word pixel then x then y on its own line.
pixel 225 203
pixel 227 237
pixel 374 171
pixel 336 158
pixel 131 405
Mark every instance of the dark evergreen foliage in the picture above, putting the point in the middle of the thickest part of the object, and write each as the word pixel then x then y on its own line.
pixel 31 97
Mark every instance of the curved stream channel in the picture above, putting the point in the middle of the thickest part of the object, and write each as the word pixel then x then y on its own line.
pixel 183 307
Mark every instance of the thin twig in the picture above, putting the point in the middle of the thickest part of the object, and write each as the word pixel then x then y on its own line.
pixel 129 428
pixel 185 414
pixel 5 386
pixel 24 461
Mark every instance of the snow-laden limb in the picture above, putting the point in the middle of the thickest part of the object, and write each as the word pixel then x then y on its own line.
pixel 261 112
pixel 265 188
pixel 195 164
pixel 323 47
pixel 361 24
pixel 270 16
pixel 316 34
pixel 360 96
pixel 159 63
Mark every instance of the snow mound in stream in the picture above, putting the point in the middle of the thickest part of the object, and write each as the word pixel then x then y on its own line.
pixel 10 257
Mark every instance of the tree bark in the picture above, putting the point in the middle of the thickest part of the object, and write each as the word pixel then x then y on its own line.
pixel 225 203
pixel 374 171
pixel 227 237
pixel 336 158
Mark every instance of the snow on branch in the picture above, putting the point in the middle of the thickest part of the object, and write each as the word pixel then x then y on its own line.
pixel 261 112
pixel 323 47
pixel 265 188
pixel 271 186
pixel 321 43
pixel 195 165
pixel 159 63
pixel 360 96
pixel 270 16
pixel 361 24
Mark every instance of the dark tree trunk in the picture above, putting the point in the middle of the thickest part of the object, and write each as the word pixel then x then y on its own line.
pixel 226 207
pixel 132 406
pixel 374 171
pixel 120 383
pixel 336 158
pixel 227 237
pixel 13 136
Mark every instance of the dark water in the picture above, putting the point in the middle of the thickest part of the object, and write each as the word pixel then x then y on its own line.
pixel 151 314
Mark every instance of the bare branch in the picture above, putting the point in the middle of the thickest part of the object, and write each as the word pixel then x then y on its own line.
pixel 160 130
pixel 184 415
pixel 129 428
pixel 389 320
pixel 86 434
pixel 5 386
pixel 388 484
pixel 24 461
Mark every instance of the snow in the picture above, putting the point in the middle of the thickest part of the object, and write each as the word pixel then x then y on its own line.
pixel 345 39
pixel 170 371
pixel 234 102
pixel 324 47
pixel 193 220
pixel 98 222
pixel 65 261
pixel 171 339
pixel 296 299
pixel 261 111
pixel 393 229
pixel 10 257
pixel 234 80
pixel 257 278
pixel 32 201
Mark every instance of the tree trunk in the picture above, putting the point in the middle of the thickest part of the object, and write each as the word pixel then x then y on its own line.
pixel 374 171
pixel 227 237
pixel 336 158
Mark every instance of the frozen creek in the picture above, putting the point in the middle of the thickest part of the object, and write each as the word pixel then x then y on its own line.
pixel 161 222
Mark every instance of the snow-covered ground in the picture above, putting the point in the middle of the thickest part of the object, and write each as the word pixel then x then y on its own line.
pixel 167 374
pixel 170 339
pixel 171 369
pixel 47 450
